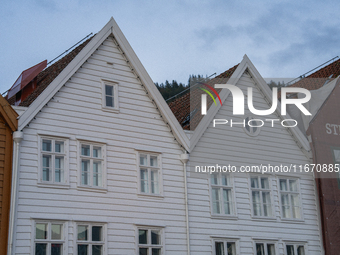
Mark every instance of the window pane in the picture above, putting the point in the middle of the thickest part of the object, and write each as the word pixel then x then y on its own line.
pixel 97 174
pixel 59 169
pixel 225 180
pixel 219 248
pixel 271 249
pixel 41 231
pixel 295 206
pixel 40 248
pixel 56 249
pixel 82 233
pixel 283 185
pixel 254 182
pixel 144 180
pixel 256 203
pixel 153 161
pixel 300 250
pixel 143 236
pixel 260 249
pixel 85 150
pixel 97 233
pixel 56 231
pixel 97 249
pixel 156 251
pixel 59 147
pixel 109 101
pixel 293 185
pixel 97 152
pixel 47 145
pixel 264 183
pixel 143 160
pixel 155 237
pixel 266 203
pixel 82 249
pixel 109 90
pixel 154 182
pixel 46 167
pixel 85 172
pixel 227 201
pixel 214 179
pixel 290 250
pixel 143 251
pixel 216 201
pixel 231 248
pixel 285 206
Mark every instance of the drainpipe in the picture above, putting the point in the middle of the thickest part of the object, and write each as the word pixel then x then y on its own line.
pixel 17 137
pixel 184 159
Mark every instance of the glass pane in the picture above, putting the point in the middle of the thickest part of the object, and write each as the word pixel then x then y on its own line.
pixel 46 167
pixel 293 185
pixel 85 172
pixel 271 249
pixel 153 161
pixel 156 251
pixel 144 180
pixel 56 229
pixel 97 233
pixel 97 152
pixel 109 90
pixel 219 248
pixel 256 203
pixel 214 179
pixel 85 150
pixel 231 249
pixel 254 182
pixel 97 249
pixel 56 249
pixel 47 145
pixel 301 250
pixel 41 231
pixel 216 201
pixel 260 249
pixel 143 160
pixel 59 169
pixel 143 251
pixel 82 249
pixel 264 183
pixel 154 182
pixel 225 180
pixel 143 236
pixel 227 201
pixel 266 204
pixel 285 206
pixel 295 206
pixel 97 174
pixel 109 101
pixel 283 185
pixel 155 237
pixel 290 250
pixel 40 248
pixel 59 147
pixel 82 233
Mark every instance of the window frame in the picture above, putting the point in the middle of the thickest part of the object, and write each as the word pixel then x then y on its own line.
pixel 114 84
pixel 231 187
pixel 91 159
pixel 252 134
pixel 270 190
pixel 149 168
pixel 287 178
pixel 266 243
pixel 296 245
pixel 149 246
pixel 90 242
pixel 65 154
pixel 225 241
pixel 49 240
pixel 336 162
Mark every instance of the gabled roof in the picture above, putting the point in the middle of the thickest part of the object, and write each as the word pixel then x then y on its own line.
pixel 64 71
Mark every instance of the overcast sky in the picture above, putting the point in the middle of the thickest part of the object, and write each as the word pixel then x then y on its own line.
pixel 176 38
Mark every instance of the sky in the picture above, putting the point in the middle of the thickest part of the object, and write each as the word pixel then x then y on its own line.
pixel 174 39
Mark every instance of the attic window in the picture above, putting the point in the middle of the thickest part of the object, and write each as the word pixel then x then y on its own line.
pixel 251 126
pixel 110 96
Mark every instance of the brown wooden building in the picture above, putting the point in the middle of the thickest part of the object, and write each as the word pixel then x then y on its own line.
pixel 8 124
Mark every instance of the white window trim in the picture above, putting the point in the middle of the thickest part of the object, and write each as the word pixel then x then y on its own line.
pixel 265 242
pixel 51 184
pixel 90 187
pixel 90 224
pixel 225 240
pixel 233 215
pixel 160 174
pixel 149 227
pixel 115 96
pixel 295 244
pixel 64 233
pixel 273 214
pixel 289 192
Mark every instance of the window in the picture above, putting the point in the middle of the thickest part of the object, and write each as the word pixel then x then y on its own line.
pixel 260 192
pixel 295 249
pixel 149 170
pixel 110 95
pixel 223 247
pixel 265 248
pixel 221 189
pixel 251 126
pixel 49 238
pixel 53 160
pixel 290 198
pixel 150 241
pixel 90 239
pixel 92 164
pixel 336 157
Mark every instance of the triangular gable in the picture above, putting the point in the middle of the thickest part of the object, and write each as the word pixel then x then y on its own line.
pixel 111 28
pixel 246 64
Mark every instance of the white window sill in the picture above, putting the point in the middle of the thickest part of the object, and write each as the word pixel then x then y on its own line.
pixel 110 109
pixel 92 189
pixel 224 217
pixel 152 196
pixel 53 185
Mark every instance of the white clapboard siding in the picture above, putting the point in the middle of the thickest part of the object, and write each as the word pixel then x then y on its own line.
pixel 224 145
pixel 75 112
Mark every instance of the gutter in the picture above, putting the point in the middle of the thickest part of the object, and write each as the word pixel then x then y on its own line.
pixel 185 159
pixel 17 137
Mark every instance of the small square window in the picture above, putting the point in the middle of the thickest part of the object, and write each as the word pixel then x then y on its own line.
pixel 90 239
pixel 150 241
pixel 49 238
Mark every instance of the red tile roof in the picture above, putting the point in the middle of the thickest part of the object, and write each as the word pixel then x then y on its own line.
pixel 187 108
pixel 46 76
